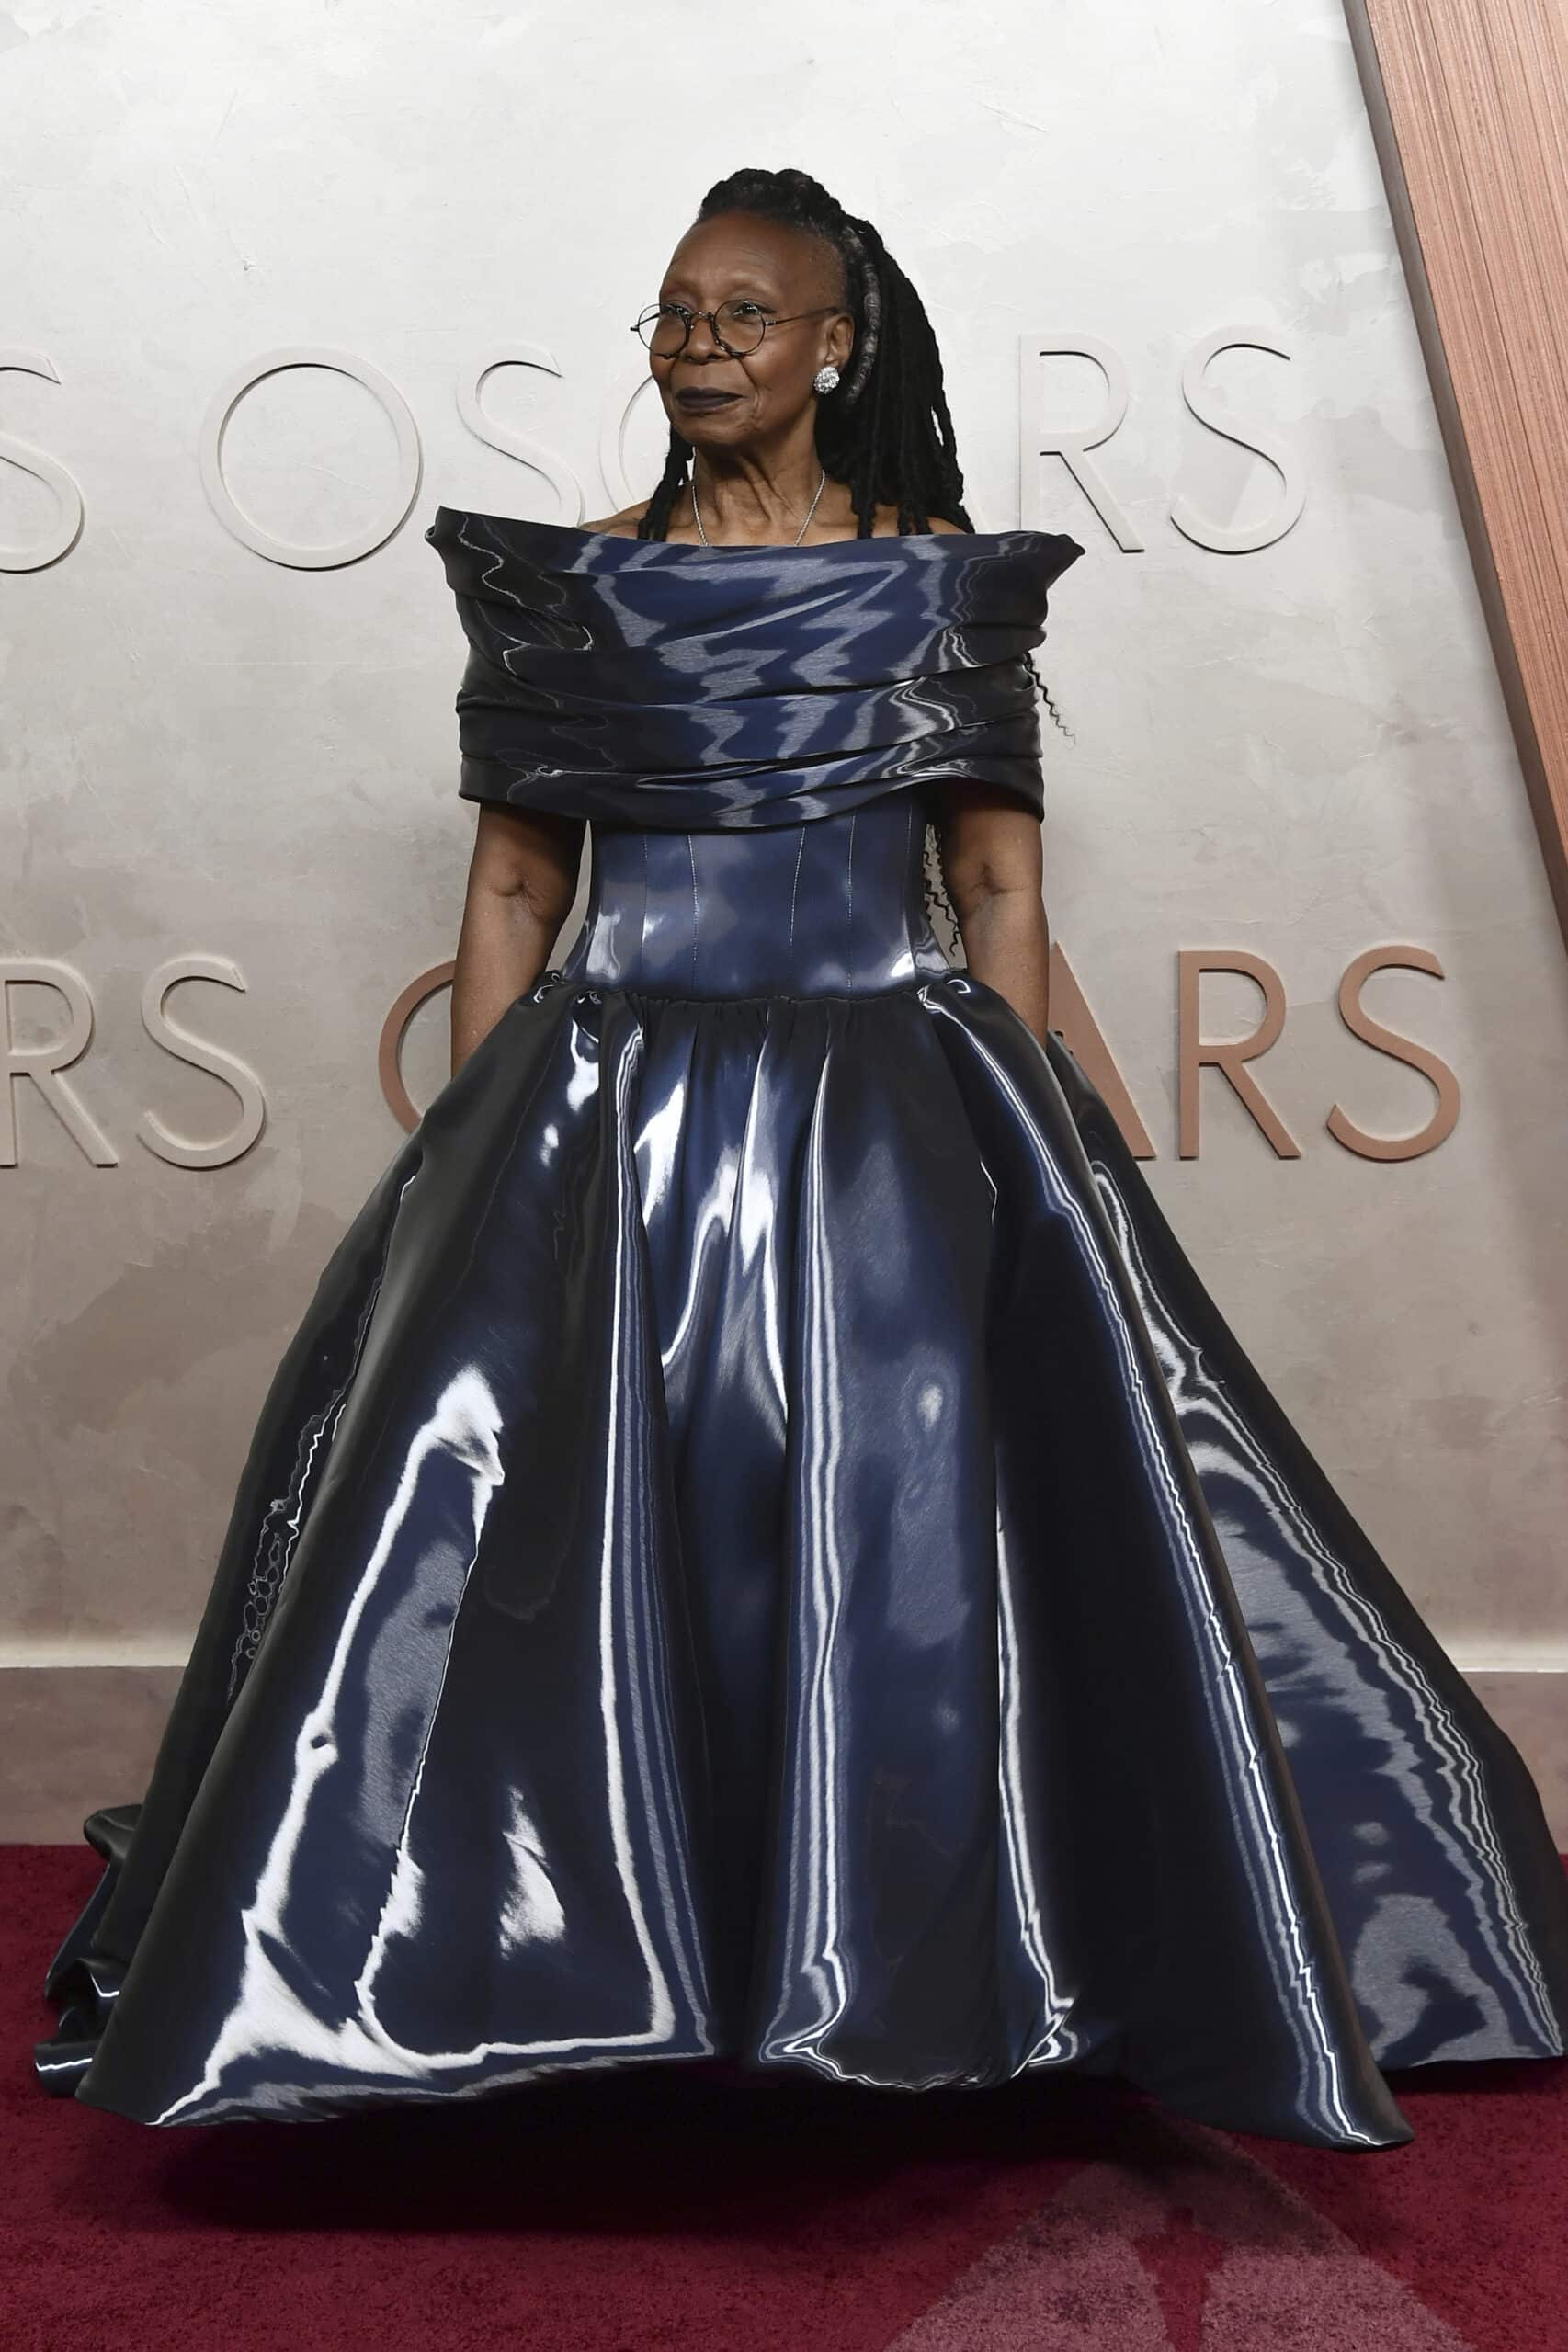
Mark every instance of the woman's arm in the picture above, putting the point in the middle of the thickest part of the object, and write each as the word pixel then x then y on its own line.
pixel 521 881
pixel 992 858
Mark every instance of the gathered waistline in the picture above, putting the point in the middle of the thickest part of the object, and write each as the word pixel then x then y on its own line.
pixel 634 990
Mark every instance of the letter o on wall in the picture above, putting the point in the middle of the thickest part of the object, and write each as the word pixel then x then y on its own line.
pixel 227 399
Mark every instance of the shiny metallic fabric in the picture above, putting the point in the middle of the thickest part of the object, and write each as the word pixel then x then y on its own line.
pixel 761 1545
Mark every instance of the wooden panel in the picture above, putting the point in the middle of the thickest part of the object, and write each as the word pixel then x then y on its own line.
pixel 1468 106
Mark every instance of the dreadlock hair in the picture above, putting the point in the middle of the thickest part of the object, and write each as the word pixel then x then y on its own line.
pixel 885 430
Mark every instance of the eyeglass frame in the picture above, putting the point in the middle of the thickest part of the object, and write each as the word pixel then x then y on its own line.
pixel 822 311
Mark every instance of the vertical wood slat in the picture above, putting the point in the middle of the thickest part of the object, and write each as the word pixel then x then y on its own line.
pixel 1468 101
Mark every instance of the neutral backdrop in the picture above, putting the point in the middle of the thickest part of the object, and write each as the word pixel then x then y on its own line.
pixel 1298 750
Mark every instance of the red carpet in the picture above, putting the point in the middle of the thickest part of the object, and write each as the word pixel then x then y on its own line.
pixel 627 2214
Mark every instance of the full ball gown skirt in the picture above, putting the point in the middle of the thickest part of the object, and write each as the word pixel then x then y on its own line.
pixel 761 1545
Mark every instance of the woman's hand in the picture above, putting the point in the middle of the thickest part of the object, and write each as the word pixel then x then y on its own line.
pixel 992 858
pixel 522 880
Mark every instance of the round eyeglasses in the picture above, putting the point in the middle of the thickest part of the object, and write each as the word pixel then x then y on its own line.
pixel 738 326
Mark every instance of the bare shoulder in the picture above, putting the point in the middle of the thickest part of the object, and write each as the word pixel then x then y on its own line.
pixel 885 521
pixel 621 526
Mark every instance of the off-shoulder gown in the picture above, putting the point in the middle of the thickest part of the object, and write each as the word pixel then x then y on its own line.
pixel 762 1548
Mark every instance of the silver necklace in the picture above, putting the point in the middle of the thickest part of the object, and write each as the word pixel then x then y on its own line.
pixel 799 535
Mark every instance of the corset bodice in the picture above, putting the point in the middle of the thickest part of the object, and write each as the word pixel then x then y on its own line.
pixel 754 736
pixel 831 908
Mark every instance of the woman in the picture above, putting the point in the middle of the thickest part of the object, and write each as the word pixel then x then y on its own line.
pixel 762 1549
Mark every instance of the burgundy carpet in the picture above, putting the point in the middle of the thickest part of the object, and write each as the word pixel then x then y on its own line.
pixel 630 2213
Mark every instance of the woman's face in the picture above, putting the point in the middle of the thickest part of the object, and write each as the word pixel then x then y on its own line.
pixel 736 256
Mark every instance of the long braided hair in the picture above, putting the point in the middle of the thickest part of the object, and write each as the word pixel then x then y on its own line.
pixel 885 430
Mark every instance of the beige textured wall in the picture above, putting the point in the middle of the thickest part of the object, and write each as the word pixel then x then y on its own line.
pixel 1287 735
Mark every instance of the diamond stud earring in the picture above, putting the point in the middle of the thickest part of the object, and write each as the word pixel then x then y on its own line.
pixel 825 377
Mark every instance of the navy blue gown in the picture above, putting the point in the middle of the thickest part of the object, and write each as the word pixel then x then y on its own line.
pixel 761 1548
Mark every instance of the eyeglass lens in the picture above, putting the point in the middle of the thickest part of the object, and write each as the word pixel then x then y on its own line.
pixel 740 326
